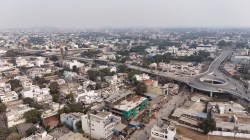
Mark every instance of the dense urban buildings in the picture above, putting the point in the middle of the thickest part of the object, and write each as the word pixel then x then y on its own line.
pixel 124 84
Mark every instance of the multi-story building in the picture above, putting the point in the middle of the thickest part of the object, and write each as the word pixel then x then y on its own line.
pixel 15 115
pixel 25 81
pixel 49 115
pixel 34 91
pixel 165 133
pixel 21 62
pixel 126 104
pixel 100 125
pixel 71 119
pixel 191 114
pixel 43 96
pixel 141 77
pixel 6 95
pixel 39 136
pixel 155 88
pixel 230 117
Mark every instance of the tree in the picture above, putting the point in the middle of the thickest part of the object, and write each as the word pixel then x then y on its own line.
pixel 121 68
pixel 31 102
pixel 91 87
pixel 15 84
pixel 98 86
pixel 31 130
pixel 79 126
pixel 28 100
pixel 141 88
pixel 70 97
pixel 40 80
pixel 56 98
pixel 13 61
pixel 54 86
pixel 54 58
pixel 32 116
pixel 11 53
pixel 2 107
pixel 208 125
pixel 74 69
pixel 14 136
pixel 90 53
pixel 75 107
pixel 222 44
pixel 4 132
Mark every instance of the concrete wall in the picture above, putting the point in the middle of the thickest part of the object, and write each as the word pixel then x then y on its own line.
pixel 230 134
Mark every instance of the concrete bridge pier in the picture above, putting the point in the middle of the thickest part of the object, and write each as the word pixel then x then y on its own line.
pixel 211 94
pixel 192 89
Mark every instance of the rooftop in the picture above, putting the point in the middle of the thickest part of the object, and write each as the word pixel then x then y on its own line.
pixel 72 136
pixel 118 95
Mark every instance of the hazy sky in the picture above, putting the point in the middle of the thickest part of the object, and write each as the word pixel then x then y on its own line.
pixel 124 13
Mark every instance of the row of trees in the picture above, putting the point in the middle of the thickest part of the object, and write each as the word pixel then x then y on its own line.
pixel 200 56
pixel 222 44
pixel 93 74
pixel 90 53
pixel 32 103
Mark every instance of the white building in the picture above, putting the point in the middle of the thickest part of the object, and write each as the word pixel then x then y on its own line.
pixel 173 49
pixel 164 133
pixel 72 63
pixel 100 125
pixel 43 96
pixel 39 136
pixel 6 95
pixel 34 91
pixel 113 69
pixel 141 77
pixel 52 110
pixel 87 97
pixel 39 61
pixel 112 80
pixel 14 116
pixel 21 62
pixel 208 48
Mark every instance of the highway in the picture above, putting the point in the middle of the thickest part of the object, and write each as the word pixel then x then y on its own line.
pixel 227 85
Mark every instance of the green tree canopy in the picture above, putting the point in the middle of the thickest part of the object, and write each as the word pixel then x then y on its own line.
pixel 31 102
pixel 208 125
pixel 140 88
pixel 15 84
pixel 79 126
pixel 11 53
pixel 2 107
pixel 31 130
pixel 33 116
pixel 54 86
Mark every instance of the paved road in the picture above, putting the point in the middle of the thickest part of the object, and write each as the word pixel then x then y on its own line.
pixel 229 85
pixel 165 111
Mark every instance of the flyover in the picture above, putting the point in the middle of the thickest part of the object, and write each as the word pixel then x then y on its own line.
pixel 219 82
pixel 213 80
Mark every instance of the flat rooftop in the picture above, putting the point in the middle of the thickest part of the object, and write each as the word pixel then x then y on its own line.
pixel 73 136
pixel 127 105
pixel 118 95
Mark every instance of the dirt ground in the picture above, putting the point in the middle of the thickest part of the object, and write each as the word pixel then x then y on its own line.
pixel 189 133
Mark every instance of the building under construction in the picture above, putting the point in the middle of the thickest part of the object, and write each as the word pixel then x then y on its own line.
pixel 126 104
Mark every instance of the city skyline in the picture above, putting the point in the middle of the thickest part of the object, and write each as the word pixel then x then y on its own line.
pixel 111 13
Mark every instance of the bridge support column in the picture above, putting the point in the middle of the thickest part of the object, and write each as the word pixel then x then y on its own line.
pixel 192 89
pixel 211 94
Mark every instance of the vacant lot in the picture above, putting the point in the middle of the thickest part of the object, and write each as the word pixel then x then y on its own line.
pixel 199 136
